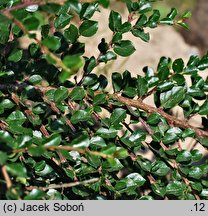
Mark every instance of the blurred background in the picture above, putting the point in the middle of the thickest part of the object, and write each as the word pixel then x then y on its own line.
pixel 165 40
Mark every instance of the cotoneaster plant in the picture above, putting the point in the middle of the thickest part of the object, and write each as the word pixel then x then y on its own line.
pixel 55 141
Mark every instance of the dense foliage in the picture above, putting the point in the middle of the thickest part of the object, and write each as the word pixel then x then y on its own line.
pixel 56 141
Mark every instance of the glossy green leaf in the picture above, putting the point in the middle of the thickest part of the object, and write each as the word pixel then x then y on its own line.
pixel 80 116
pixel 16 169
pixel 31 23
pixel 124 48
pixel 175 188
pixel 71 33
pixel 133 180
pixel 183 156
pixel 88 28
pixel 53 140
pixel 52 42
pixel 141 34
pixel 88 10
pixel 160 168
pixel 62 20
pixel 107 133
pixel 114 21
pixel 16 55
pixel 178 65
pixel 117 116
pixel 77 93
pixel 172 97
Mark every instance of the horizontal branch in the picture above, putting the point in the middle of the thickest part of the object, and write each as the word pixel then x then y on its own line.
pixel 150 109
pixel 70 148
pixel 30 3
pixel 65 185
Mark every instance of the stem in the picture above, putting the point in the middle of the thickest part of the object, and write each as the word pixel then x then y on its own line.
pixel 66 185
pixel 150 109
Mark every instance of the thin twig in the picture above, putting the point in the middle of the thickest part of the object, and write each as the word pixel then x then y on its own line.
pixel 65 185
pixel 150 109
pixel 29 3
pixel 6 177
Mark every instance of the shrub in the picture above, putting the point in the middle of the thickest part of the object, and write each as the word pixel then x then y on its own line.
pixel 55 141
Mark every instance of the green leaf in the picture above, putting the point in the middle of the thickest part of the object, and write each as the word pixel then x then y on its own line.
pixel 99 99
pixel 172 97
pixel 4 29
pixel 90 64
pixel 16 169
pixel 195 172
pixel 108 56
pixel 35 79
pixel 61 94
pixel 117 116
pixel 88 10
pixel 71 33
pixel 204 108
pixel 173 13
pixel 52 42
pixel 36 151
pixel 80 116
pixel 97 141
pixel 141 34
pixel 16 55
pixel 132 181
pixel 105 3
pixel 35 194
pixel 88 28
pixel 154 119
pixel 178 65
pixel 187 14
pixel 6 104
pixel 172 135
pixel 154 19
pixel 188 133
pixel 167 21
pixel 82 141
pixel 197 186
pixel 117 81
pixel 141 21
pixel 160 168
pixel 183 156
pixel 3 158
pixel 31 23
pixel 142 86
pixel 134 139
pixel 16 117
pixel 77 94
pixel 62 20
pixel 107 133
pixel 125 27
pixel 196 155
pixel 204 192
pixel 110 149
pixel 158 189
pixel 124 48
pixel 175 188
pixel 53 140
pixel 73 62
pixel 114 21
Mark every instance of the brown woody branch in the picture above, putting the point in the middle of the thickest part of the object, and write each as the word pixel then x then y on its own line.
pixel 25 4
pixel 150 109
pixel 66 185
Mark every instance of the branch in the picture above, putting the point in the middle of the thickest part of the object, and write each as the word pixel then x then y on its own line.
pixel 70 148
pixel 66 185
pixel 25 4
pixel 149 109
pixel 6 177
